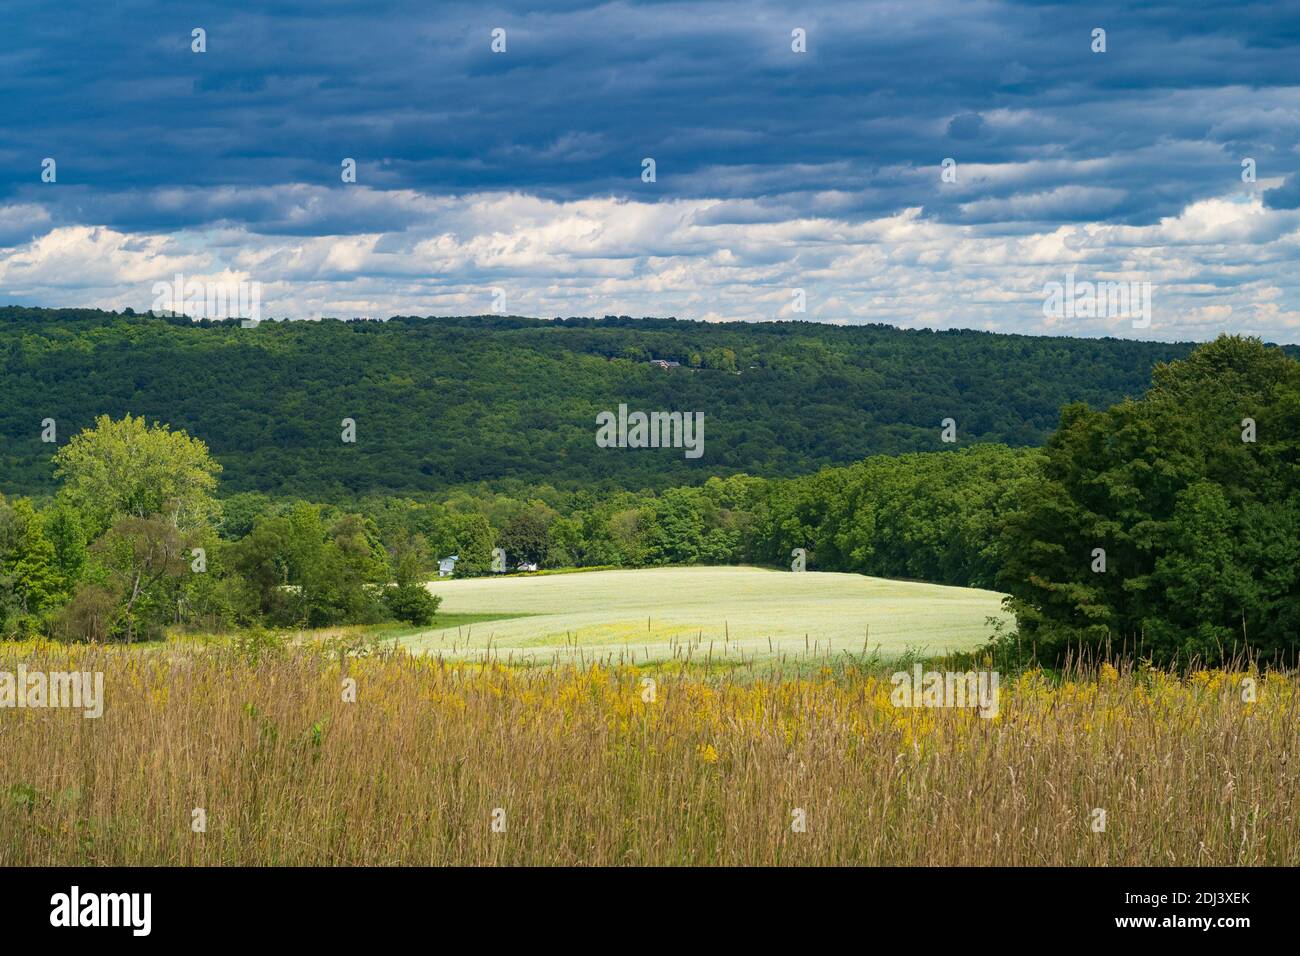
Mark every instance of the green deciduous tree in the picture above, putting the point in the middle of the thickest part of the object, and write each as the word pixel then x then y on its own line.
pixel 143 558
pixel 127 467
pixel 1199 526
pixel 33 575
pixel 308 572
pixel 474 544
pixel 527 536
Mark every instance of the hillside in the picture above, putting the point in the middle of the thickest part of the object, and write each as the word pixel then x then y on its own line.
pixel 440 402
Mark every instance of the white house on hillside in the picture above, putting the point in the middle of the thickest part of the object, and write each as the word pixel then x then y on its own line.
pixel 447 566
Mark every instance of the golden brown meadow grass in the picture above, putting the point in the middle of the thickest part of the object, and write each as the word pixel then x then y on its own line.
pixel 588 772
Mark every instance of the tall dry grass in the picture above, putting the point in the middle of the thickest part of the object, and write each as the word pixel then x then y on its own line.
pixel 587 772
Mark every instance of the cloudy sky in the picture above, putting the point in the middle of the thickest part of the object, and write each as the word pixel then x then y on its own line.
pixel 775 170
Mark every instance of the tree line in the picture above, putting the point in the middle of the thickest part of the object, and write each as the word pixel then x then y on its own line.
pixel 131 544
pixel 1167 525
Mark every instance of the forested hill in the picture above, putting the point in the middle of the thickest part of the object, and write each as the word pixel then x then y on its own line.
pixel 448 401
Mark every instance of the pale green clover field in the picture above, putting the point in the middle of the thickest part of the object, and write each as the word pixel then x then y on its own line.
pixel 661 613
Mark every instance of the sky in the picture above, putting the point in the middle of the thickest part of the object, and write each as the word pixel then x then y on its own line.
pixel 788 183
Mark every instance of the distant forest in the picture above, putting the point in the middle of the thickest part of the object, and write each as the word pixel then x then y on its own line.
pixel 1165 523
pixel 442 403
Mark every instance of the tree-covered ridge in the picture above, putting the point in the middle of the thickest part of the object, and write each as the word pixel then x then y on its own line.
pixel 448 402
pixel 1166 526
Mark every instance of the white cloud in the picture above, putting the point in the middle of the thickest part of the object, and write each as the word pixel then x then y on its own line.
pixel 1221 264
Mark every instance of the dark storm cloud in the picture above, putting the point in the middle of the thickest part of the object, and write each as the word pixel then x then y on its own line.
pixel 1286 196
pixel 150 136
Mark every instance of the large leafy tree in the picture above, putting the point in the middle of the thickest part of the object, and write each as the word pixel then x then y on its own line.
pixel 1199 527
pixel 474 543
pixel 128 467
pixel 527 535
